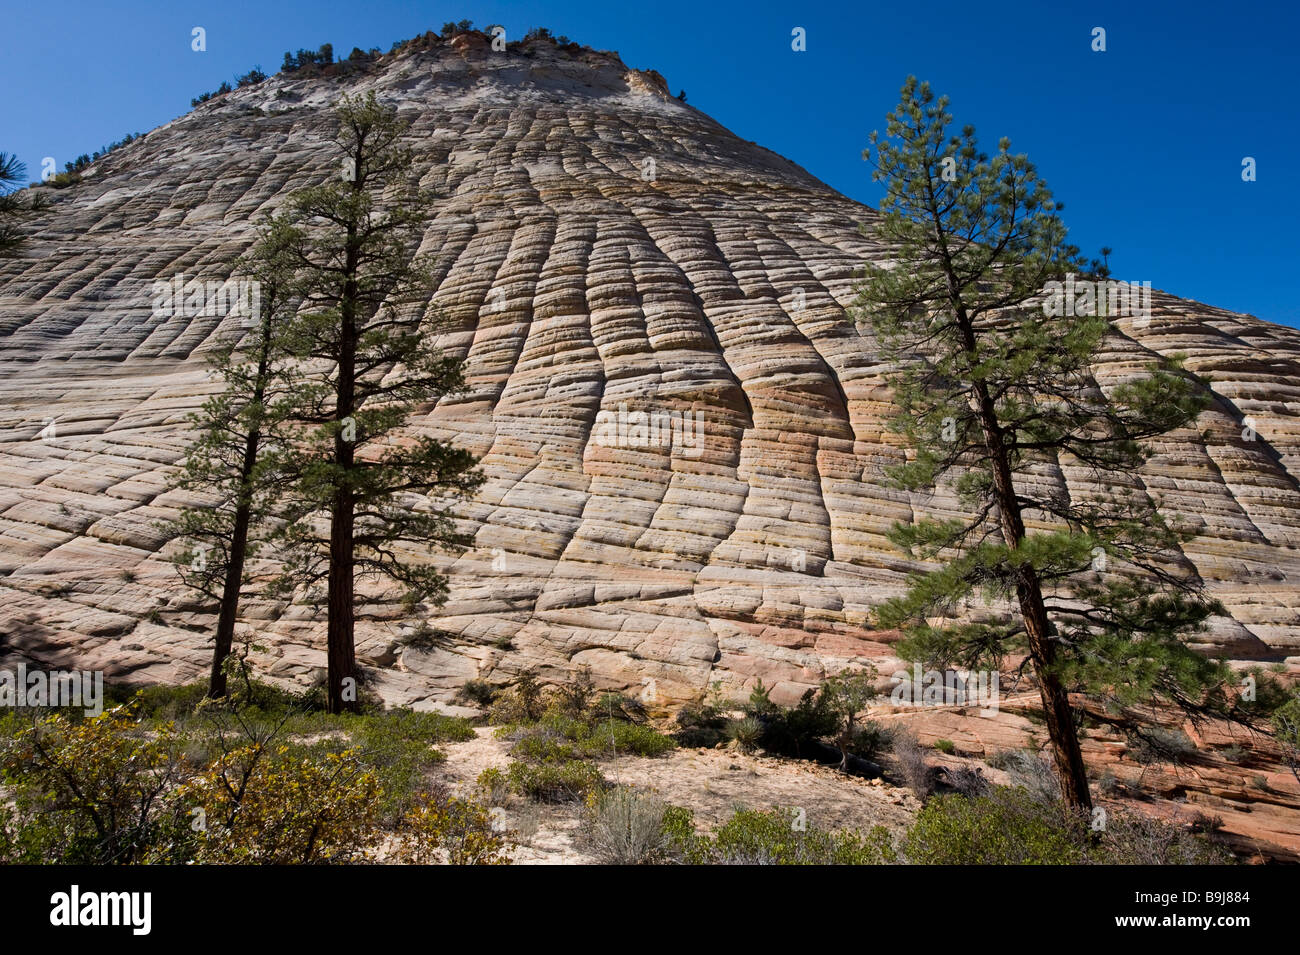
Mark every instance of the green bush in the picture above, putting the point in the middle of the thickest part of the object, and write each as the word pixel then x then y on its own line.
pixel 522 703
pixel 494 785
pixel 1014 826
pixel 277 806
pixel 616 738
pixel 870 740
pixel 555 782
pixel 700 724
pixel 62 180
pixel 542 746
pixel 774 837
pixel 94 791
pixel 549 738
pixel 682 842
pixel 1007 827
pixel 278 784
pixel 478 692
pixel 459 830
pixel 398 747
pixel 945 746
pixel 770 837
pixel 789 732
pixel 552 724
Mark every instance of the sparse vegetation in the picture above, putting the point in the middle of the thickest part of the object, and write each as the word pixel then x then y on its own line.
pixel 702 722
pixel 76 166
pixel 774 837
pixel 1012 826
pixel 623 826
pixel 269 778
pixel 494 786
pixel 440 828
pixel 916 772
pixel 478 692
pixel 555 781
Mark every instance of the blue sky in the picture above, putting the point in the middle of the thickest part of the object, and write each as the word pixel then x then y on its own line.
pixel 1144 142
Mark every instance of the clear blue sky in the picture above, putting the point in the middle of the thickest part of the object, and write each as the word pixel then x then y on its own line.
pixel 1143 143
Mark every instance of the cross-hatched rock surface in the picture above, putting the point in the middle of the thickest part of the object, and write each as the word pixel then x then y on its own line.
pixel 600 247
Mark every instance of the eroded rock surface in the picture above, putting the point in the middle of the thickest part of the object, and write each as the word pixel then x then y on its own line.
pixel 600 246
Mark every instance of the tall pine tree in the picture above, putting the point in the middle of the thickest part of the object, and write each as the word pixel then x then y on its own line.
pixel 231 462
pixel 996 398
pixel 364 500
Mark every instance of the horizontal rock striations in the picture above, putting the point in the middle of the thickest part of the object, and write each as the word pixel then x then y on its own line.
pixel 610 259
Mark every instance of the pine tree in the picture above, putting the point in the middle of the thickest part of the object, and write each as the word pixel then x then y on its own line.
pixel 364 501
pixel 231 463
pixel 995 397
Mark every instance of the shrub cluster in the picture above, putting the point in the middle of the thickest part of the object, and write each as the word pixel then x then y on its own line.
pixel 1010 825
pixel 170 778
pixel 589 723
pixel 828 715
pixel 626 827
pixel 557 733
pixel 554 780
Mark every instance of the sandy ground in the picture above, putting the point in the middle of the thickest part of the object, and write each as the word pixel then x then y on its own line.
pixel 712 782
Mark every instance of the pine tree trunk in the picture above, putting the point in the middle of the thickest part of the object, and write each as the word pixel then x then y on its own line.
pixel 1029 592
pixel 234 581
pixel 1056 701
pixel 229 603
pixel 342 651
pixel 229 613
pixel 341 644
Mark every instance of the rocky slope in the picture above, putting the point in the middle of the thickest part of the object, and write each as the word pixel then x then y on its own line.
pixel 600 246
